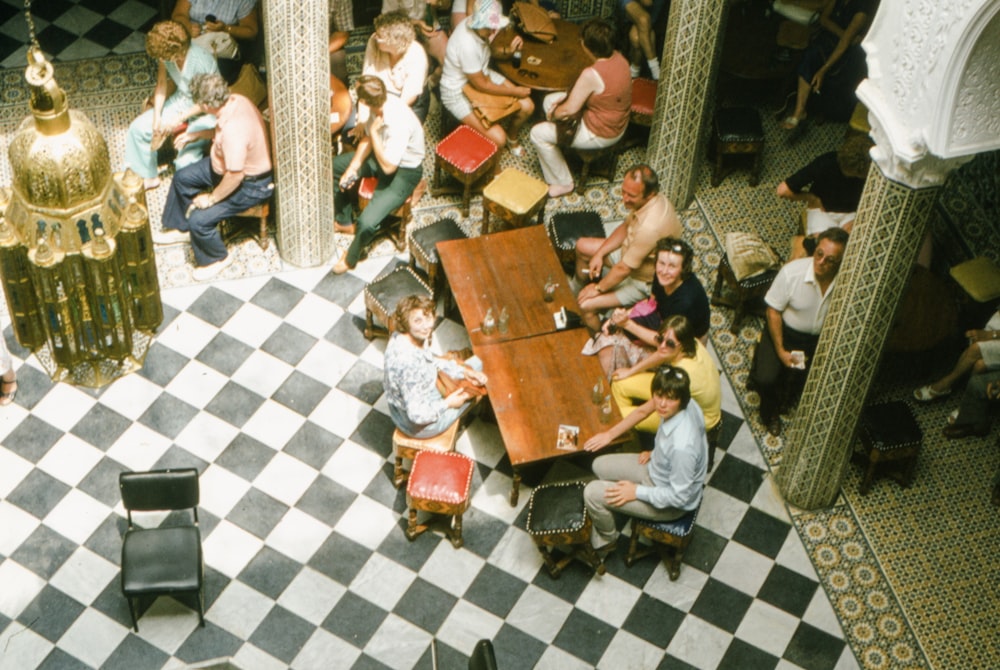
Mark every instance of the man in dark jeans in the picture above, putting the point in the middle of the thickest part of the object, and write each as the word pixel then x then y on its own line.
pixel 235 176
pixel 797 303
pixel 391 148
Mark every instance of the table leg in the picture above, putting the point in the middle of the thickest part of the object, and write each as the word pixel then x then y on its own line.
pixel 515 487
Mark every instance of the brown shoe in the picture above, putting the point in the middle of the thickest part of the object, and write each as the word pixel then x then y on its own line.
pixel 958 432
pixel 344 230
pixel 774 426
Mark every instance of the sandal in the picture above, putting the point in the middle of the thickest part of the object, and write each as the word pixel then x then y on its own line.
pixel 515 148
pixel 8 389
pixel 953 417
pixel 926 394
pixel 790 122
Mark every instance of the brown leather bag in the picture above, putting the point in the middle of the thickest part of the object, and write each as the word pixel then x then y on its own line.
pixel 533 21
pixel 446 385
pixel 488 107
pixel 566 129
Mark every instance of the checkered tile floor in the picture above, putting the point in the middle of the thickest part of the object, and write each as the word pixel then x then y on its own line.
pixel 75 29
pixel 268 387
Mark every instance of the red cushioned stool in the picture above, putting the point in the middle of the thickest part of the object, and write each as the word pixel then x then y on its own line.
pixel 439 483
pixel 395 226
pixel 469 157
pixel 641 113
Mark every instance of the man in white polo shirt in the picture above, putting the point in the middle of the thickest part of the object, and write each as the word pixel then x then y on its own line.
pixel 797 303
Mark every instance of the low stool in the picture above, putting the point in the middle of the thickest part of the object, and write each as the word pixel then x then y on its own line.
pixel 606 157
pixel 404 446
pixel 558 522
pixel 640 113
pixel 439 484
pixel 889 434
pixel 565 228
pixel 513 199
pixel 260 212
pixel 737 132
pixel 979 281
pixel 384 293
pixel 742 295
pixel 395 228
pixel 669 538
pixel 469 157
pixel 423 253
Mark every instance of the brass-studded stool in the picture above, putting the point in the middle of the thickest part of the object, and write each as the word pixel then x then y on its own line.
pixel 889 434
pixel 741 295
pixel 514 198
pixel 439 483
pixel 423 253
pixel 558 520
pixel 565 228
pixel 469 157
pixel 259 213
pixel 408 447
pixel 640 114
pixel 384 293
pixel 669 538
pixel 606 158
pixel 738 132
pixel 395 226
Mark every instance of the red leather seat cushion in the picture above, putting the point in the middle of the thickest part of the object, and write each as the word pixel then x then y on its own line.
pixel 441 476
pixel 366 189
pixel 466 149
pixel 643 96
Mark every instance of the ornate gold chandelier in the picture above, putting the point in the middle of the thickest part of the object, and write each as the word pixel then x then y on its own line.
pixel 76 256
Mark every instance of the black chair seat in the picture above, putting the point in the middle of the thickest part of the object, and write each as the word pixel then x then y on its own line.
pixel 738 124
pixel 161 560
pixel 388 290
pixel 566 228
pixel 890 425
pixel 556 508
pixel 442 230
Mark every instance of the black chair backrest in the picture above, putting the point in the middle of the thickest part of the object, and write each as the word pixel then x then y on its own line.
pixel 159 490
pixel 483 657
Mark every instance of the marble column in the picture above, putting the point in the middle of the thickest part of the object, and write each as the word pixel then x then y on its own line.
pixel 892 221
pixel 688 66
pixel 295 34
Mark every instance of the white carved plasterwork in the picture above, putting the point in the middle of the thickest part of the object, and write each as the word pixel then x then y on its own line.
pixel 915 166
pixel 976 117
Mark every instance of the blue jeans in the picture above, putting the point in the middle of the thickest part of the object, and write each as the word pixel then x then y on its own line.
pixel 206 241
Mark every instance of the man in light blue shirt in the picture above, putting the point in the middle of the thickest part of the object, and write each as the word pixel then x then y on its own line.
pixel 661 485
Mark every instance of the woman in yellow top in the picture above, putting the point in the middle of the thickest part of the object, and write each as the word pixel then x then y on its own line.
pixel 675 345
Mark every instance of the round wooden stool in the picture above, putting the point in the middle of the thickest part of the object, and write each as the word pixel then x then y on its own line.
pixel 439 484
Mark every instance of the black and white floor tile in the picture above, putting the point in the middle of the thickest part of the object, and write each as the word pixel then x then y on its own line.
pixel 268 387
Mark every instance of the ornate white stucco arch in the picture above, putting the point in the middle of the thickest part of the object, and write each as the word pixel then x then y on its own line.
pixel 933 87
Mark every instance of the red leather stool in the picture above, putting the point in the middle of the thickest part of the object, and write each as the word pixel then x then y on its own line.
pixel 396 228
pixel 641 113
pixel 469 157
pixel 439 483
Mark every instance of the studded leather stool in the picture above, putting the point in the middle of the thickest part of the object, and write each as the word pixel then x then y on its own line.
pixel 558 521
pixel 738 132
pixel 565 228
pixel 395 227
pixel 740 295
pixel 439 483
pixel 384 293
pixel 669 538
pixel 408 447
pixel 469 157
pixel 606 158
pixel 641 113
pixel 259 213
pixel 889 434
pixel 423 253
pixel 513 198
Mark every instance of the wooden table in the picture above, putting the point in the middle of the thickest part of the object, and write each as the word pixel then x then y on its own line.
pixel 509 270
pixel 560 61
pixel 537 384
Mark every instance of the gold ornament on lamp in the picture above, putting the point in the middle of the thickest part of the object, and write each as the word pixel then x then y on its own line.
pixel 76 255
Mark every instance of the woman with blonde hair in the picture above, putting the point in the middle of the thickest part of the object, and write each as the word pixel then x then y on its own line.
pixel 178 62
pixel 394 56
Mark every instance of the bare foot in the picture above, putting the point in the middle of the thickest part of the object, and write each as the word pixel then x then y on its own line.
pixel 151 183
pixel 559 190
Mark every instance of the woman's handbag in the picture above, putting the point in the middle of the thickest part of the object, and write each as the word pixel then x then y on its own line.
pixel 566 130
pixel 490 108
pixel 446 385
pixel 533 21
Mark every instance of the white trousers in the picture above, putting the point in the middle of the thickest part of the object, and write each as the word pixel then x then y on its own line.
pixel 543 135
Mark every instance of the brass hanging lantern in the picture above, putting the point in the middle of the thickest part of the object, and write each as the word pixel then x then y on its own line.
pixel 76 255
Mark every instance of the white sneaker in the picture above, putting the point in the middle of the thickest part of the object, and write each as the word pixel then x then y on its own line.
pixel 635 70
pixel 654 68
pixel 171 236
pixel 212 270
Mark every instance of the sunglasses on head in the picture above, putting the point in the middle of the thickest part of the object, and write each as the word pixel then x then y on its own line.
pixel 528 73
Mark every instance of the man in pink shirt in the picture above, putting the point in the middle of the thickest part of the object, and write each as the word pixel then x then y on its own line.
pixel 234 176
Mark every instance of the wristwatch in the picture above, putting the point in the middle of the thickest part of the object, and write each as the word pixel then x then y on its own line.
pixel 597 287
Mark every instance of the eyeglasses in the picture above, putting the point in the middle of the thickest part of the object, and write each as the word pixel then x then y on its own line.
pixel 659 339
pixel 822 258
pixel 527 73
